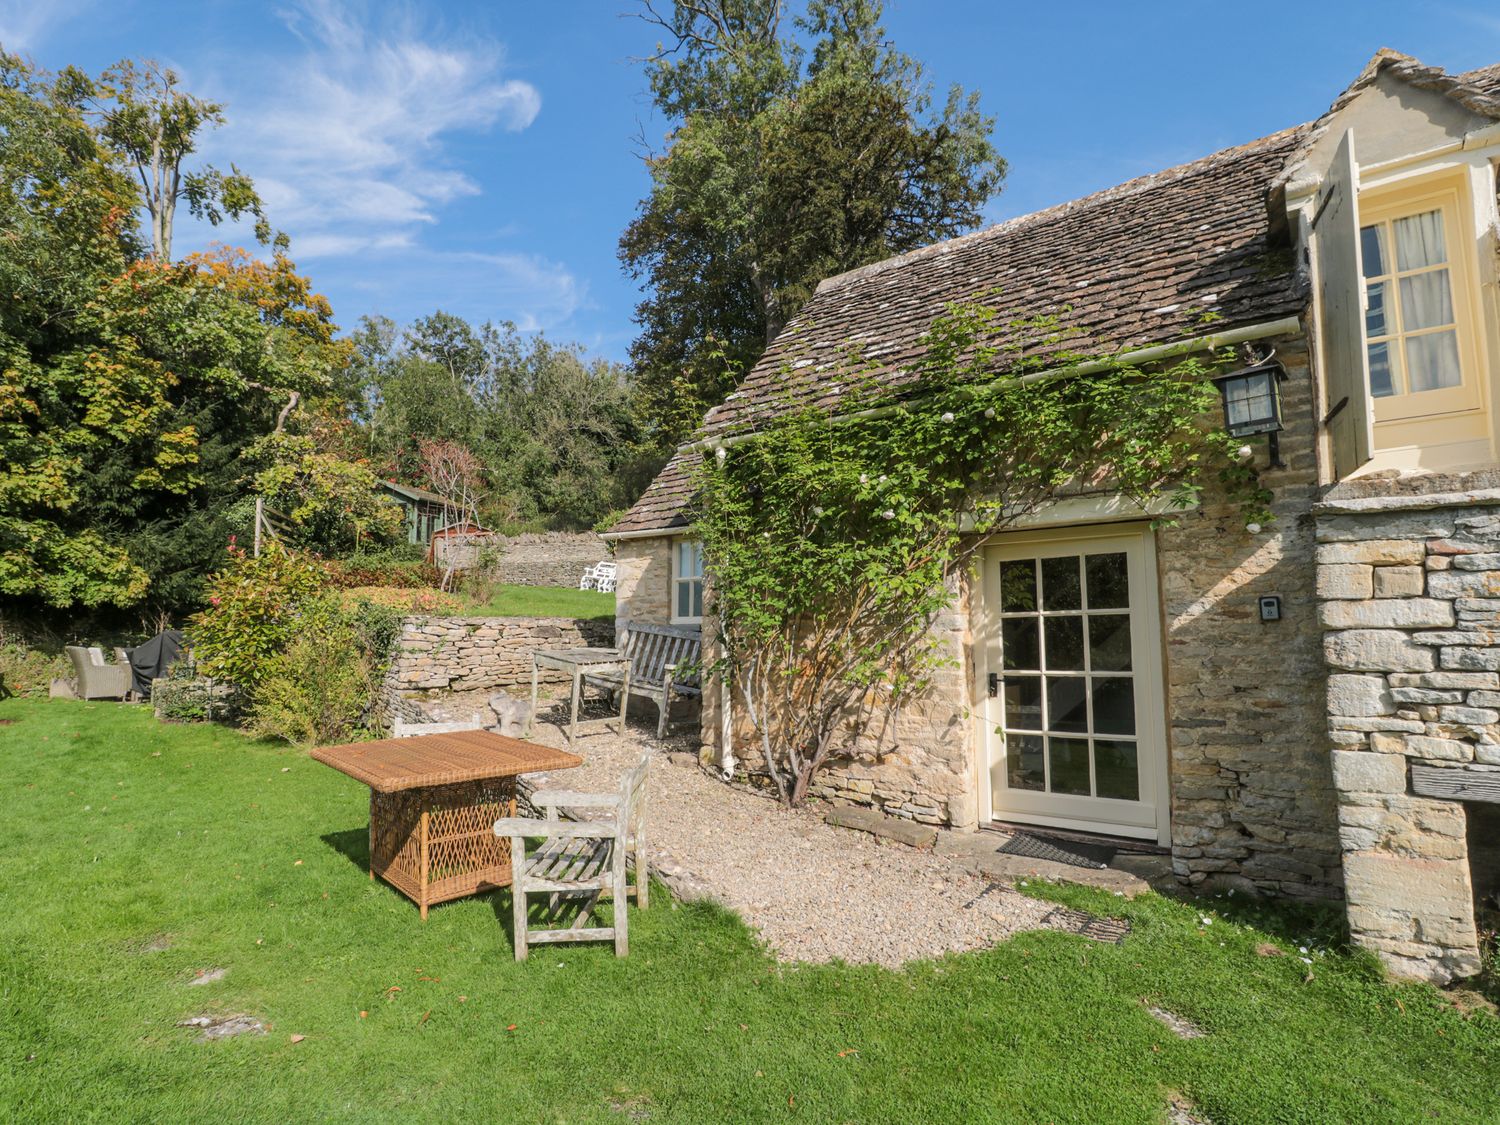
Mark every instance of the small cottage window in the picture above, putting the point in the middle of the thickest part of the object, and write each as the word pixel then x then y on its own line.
pixel 687 582
pixel 1418 309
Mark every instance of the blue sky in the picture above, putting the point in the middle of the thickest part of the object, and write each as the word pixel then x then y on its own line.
pixel 483 157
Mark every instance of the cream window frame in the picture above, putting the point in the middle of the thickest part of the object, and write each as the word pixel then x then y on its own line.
pixel 1383 206
pixel 680 580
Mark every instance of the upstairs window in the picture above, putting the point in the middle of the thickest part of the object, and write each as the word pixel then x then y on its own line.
pixel 687 582
pixel 1416 319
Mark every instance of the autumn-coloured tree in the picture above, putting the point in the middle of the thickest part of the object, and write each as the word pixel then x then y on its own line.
pixel 455 474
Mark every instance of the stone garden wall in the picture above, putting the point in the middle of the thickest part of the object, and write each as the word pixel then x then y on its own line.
pixel 1410 589
pixel 475 653
pixel 554 558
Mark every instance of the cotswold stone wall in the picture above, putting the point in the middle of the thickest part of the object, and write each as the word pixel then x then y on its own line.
pixel 471 653
pixel 643 581
pixel 1252 794
pixel 554 558
pixel 1411 605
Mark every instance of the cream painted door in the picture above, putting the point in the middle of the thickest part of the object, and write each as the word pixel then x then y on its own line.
pixel 1072 681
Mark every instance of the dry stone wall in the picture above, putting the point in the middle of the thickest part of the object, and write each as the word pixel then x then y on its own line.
pixel 554 558
pixel 473 653
pixel 1410 591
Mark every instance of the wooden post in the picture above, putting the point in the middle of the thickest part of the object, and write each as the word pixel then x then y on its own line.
pixel 577 691
pixel 518 893
pixel 531 715
pixel 260 507
pixel 624 698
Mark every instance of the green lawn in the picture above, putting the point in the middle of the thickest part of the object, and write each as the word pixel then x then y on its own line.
pixel 122 834
pixel 544 601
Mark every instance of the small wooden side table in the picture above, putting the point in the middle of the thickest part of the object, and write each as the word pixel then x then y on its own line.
pixel 434 800
pixel 580 662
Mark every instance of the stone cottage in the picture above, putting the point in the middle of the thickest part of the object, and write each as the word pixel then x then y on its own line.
pixel 1308 709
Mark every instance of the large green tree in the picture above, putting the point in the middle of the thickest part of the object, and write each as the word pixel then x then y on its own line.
pixel 553 429
pixel 801 147
pixel 130 386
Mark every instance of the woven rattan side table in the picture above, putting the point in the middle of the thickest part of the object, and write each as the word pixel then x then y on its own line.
pixel 434 800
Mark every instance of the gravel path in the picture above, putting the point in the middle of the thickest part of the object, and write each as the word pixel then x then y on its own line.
pixel 814 892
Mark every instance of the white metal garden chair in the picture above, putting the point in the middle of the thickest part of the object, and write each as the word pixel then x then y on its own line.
pixel 604 577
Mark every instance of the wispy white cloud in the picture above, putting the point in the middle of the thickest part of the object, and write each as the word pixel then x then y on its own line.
pixel 26 24
pixel 346 136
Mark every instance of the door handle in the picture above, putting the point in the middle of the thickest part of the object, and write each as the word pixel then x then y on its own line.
pixel 994 684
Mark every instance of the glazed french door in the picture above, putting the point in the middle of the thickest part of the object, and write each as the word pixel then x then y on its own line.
pixel 1073 682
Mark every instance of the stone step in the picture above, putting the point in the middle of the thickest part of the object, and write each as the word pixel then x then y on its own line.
pixel 886 827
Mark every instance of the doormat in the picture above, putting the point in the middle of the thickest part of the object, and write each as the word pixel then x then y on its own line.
pixel 1069 852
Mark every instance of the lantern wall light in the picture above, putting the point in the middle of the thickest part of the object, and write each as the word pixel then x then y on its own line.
pixel 1252 404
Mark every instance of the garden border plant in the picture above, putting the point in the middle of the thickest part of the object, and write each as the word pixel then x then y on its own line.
pixel 306 657
pixel 836 541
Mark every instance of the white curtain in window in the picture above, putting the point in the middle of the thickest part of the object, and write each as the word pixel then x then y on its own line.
pixel 1419 241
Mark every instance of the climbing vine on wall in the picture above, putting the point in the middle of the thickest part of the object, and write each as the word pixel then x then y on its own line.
pixel 834 542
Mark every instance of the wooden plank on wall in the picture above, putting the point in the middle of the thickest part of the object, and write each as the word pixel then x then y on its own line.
pixel 1456 783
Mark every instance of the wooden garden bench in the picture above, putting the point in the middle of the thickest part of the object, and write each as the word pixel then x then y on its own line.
pixel 663 663
pixel 580 860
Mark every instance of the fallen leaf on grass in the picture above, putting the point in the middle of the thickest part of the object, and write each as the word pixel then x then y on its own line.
pixel 848 1051
pixel 298 1038
pixel 425 1016
pixel 297 864
pixel 510 1027
pixel 463 999
pixel 393 988
pixel 434 980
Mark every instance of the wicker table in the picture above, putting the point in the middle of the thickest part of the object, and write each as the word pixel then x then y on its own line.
pixel 579 662
pixel 434 800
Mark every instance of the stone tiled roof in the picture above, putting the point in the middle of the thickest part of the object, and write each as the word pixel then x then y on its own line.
pixel 1133 266
pixel 662 505
pixel 1136 265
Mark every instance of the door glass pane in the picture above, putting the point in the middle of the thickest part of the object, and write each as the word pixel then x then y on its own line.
pixel 1023 762
pixel 1070 765
pixel 1020 643
pixel 1018 586
pixel 1382 380
pixel 1426 301
pixel 1067 703
pixel 1023 702
pixel 1432 361
pixel 1109 642
pixel 1109 582
pixel 1116 770
pixel 1419 241
pixel 1372 251
pixel 1060 585
pixel 1114 705
pixel 1065 644
pixel 1375 313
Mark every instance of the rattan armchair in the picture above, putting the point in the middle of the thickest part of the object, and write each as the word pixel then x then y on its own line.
pixel 97 679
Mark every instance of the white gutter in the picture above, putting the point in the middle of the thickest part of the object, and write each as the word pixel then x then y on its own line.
pixel 649 533
pixel 1142 355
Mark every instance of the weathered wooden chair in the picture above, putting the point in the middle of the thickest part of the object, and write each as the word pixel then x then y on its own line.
pixel 663 663
pixel 580 860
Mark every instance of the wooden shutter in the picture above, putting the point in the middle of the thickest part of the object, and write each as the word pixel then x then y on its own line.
pixel 1340 311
